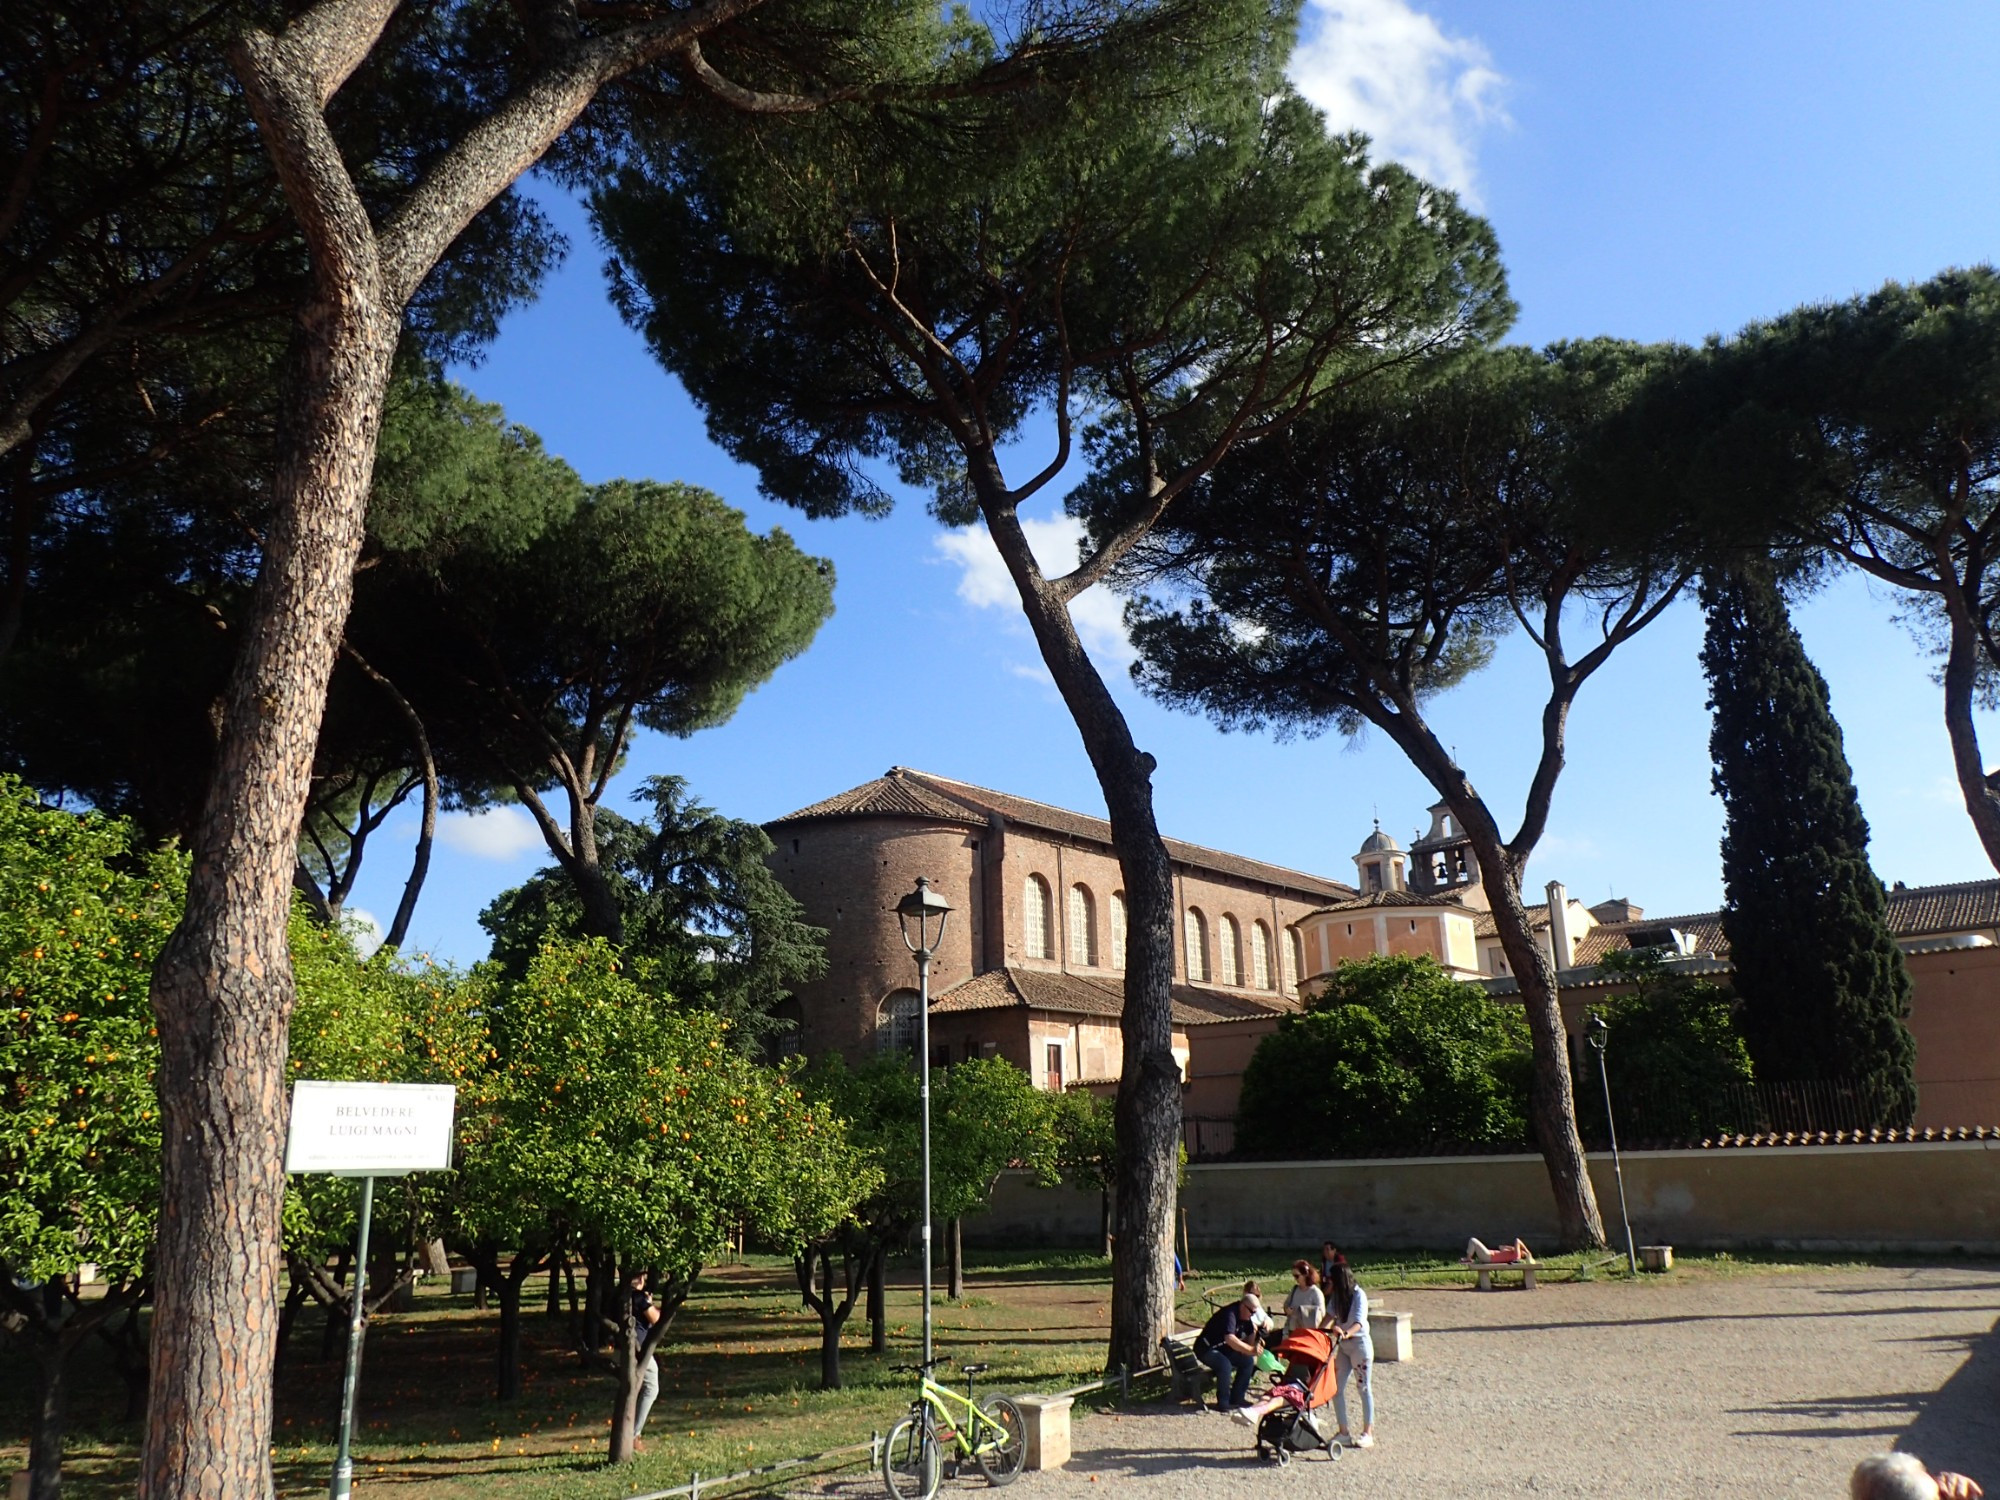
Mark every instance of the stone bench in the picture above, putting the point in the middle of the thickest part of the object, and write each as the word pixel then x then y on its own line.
pixel 1484 1274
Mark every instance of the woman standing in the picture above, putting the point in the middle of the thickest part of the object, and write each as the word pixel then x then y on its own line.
pixel 1305 1307
pixel 1354 1353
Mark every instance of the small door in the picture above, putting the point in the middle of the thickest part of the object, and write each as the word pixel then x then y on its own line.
pixel 1054 1067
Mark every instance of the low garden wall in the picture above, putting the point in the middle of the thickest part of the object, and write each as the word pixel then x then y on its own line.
pixel 1937 1196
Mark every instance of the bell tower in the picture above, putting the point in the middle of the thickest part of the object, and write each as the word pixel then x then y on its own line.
pixel 1442 862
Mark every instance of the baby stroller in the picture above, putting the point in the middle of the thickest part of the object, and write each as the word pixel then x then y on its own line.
pixel 1301 1422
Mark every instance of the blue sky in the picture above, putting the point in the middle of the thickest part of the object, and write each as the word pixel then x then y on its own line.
pixel 1654 172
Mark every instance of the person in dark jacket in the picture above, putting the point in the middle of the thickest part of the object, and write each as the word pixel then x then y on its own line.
pixel 1228 1346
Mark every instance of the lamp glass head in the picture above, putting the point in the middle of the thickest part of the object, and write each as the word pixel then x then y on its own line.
pixel 922 914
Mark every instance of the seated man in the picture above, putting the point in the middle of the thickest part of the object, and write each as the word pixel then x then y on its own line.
pixel 1228 1346
pixel 1477 1254
pixel 1902 1476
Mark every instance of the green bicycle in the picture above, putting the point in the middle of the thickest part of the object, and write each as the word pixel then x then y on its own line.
pixel 991 1435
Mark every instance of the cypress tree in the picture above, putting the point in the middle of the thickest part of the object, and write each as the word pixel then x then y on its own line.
pixel 1823 985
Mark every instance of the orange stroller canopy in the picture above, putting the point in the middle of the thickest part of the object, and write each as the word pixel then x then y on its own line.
pixel 1311 1348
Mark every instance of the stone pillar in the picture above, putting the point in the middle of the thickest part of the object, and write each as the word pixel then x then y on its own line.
pixel 1394 1341
pixel 1047 1419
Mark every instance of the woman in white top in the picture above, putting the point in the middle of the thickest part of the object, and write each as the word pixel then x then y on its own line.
pixel 1354 1353
pixel 1306 1306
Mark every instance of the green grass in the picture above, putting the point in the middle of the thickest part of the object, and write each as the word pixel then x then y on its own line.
pixel 739 1388
pixel 739 1374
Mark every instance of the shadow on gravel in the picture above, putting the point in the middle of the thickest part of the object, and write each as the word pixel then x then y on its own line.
pixel 1836 1416
pixel 1811 1315
pixel 1956 1428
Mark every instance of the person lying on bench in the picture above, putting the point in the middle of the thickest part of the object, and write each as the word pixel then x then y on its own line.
pixel 1477 1254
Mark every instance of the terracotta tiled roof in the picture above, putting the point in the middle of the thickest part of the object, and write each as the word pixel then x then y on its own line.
pixel 1793 1138
pixel 1538 918
pixel 1086 995
pixel 1393 900
pixel 887 796
pixel 1922 910
pixel 907 793
pixel 1914 912
pixel 1702 928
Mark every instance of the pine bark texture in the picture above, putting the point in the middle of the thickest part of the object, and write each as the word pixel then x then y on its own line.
pixel 223 990
pixel 1552 1095
pixel 1823 985
pixel 1552 1099
pixel 1148 1108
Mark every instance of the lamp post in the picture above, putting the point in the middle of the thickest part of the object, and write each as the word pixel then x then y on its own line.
pixel 919 910
pixel 1598 1032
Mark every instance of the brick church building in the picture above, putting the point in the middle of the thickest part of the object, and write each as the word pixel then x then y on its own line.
pixel 1031 968
pixel 1032 964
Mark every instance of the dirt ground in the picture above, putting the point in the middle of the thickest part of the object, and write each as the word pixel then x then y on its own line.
pixel 1742 1386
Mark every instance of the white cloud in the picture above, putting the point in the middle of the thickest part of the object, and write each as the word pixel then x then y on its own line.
pixel 1386 68
pixel 983 582
pixel 496 833
pixel 364 927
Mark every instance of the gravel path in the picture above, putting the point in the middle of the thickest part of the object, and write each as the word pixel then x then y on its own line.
pixel 1748 1386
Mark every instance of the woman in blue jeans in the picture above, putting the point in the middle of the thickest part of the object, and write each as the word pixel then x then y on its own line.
pixel 1354 1352
pixel 1228 1346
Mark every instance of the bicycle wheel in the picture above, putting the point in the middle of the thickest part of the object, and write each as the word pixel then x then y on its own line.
pixel 1003 1446
pixel 910 1459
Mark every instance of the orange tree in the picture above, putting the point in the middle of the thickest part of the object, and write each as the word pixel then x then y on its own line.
pixel 608 1116
pixel 83 911
pixel 380 1021
pixel 986 1115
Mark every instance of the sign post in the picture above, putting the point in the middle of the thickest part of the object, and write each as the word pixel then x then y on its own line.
pixel 365 1130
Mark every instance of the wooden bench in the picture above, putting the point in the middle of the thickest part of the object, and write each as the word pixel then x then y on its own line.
pixel 1484 1274
pixel 1185 1370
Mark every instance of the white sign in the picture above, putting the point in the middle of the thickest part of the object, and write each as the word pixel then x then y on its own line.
pixel 370 1129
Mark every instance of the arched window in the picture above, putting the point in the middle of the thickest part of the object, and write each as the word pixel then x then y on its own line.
pixel 1228 951
pixel 1038 920
pixel 1197 945
pixel 1260 955
pixel 1298 951
pixel 896 1022
pixel 1082 927
pixel 1117 929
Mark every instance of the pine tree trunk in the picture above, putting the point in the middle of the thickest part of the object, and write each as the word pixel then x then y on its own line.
pixel 222 989
pixel 1149 1086
pixel 1961 687
pixel 954 1251
pixel 554 1308
pixel 1552 1100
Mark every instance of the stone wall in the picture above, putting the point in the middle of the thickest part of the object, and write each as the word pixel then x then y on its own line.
pixel 1915 1196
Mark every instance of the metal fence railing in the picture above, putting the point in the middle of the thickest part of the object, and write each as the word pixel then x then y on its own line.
pixel 1664 1113
pixel 1208 1139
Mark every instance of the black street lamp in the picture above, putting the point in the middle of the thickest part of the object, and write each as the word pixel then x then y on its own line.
pixel 921 915
pixel 1597 1031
